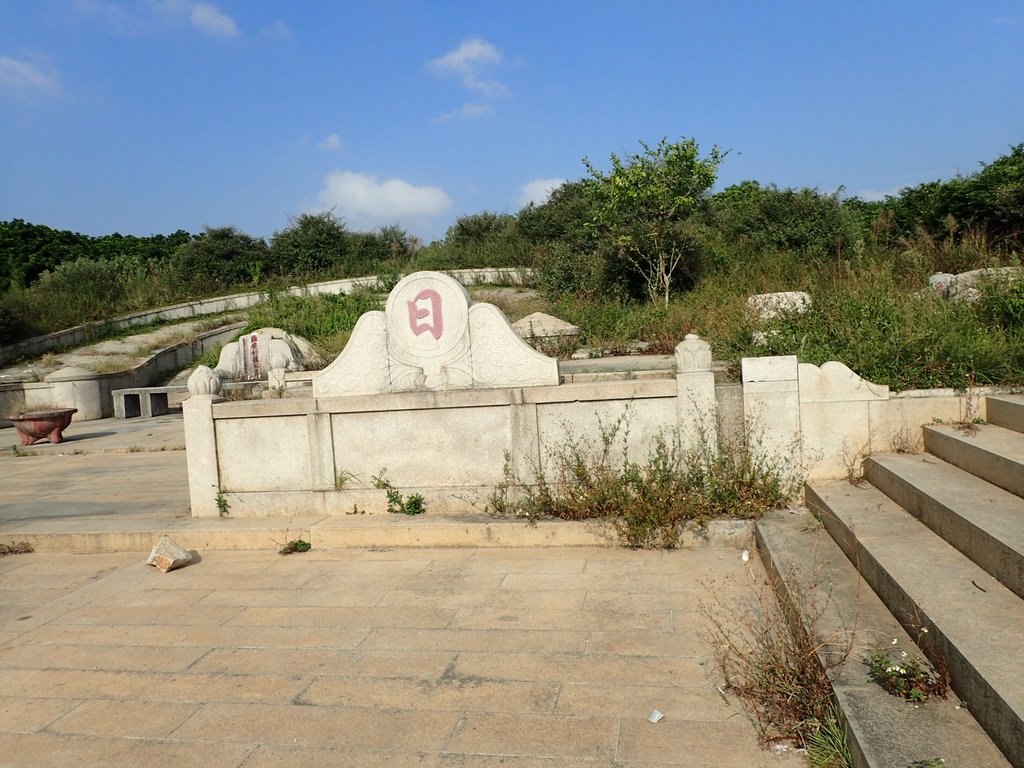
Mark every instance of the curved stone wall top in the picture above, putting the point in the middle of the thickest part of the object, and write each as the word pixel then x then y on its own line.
pixel 430 337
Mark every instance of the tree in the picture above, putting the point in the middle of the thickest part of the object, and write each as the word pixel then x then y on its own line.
pixel 646 205
pixel 218 258
pixel 312 244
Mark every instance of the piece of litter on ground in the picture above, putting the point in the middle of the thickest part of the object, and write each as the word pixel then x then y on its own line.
pixel 745 556
pixel 655 716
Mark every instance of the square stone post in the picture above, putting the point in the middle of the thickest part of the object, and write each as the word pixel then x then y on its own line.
pixel 201 454
pixel 696 407
pixel 771 407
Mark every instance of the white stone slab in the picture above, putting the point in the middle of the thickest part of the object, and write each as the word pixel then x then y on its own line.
pixel 543 326
pixel 430 338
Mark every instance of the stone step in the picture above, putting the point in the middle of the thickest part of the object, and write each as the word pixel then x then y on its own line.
pixel 984 522
pixel 993 453
pixel 1006 411
pixel 841 613
pixel 963 616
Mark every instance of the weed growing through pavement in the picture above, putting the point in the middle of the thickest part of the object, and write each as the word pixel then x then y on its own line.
pixel 16 548
pixel 907 675
pixel 781 673
pixel 650 503
pixel 223 508
pixel 398 504
pixel 296 545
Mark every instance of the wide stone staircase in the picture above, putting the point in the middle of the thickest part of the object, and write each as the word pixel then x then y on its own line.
pixel 928 552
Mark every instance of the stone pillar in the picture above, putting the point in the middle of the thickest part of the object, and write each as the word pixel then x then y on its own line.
pixel 771 406
pixel 696 411
pixel 322 471
pixel 201 453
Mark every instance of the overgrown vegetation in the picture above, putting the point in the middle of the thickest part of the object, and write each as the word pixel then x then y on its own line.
pixel 651 502
pixel 641 251
pixel 781 673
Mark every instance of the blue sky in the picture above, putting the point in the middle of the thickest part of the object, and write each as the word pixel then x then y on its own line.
pixel 147 116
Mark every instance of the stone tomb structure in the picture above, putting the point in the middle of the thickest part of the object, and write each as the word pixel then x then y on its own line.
pixel 430 337
pixel 442 394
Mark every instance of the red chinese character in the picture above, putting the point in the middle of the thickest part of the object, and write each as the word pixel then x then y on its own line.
pixel 416 313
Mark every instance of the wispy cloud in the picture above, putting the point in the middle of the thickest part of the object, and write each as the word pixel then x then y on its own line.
pixel 278 30
pixel 466 112
pixel 366 201
pixel 26 75
pixel 332 142
pixel 156 15
pixel 472 63
pixel 537 191
pixel 211 20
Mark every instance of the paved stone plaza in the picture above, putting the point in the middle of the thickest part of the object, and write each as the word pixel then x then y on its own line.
pixel 396 657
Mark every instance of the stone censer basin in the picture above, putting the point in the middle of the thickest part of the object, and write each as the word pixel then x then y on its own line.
pixel 42 425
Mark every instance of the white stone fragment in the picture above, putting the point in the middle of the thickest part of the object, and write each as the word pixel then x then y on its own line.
pixel 168 555
pixel 542 326
pixel 768 306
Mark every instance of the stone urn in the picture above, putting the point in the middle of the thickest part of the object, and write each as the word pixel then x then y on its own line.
pixel 42 425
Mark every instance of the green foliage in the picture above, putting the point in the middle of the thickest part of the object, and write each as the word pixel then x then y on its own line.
pixel 312 244
pixel 398 504
pixel 906 676
pixel 296 545
pixel 646 205
pixel 749 220
pixel 223 507
pixel 648 504
pixel 220 257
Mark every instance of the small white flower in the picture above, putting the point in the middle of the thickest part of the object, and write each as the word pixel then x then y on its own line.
pixel 924 630
pixel 894 641
pixel 904 654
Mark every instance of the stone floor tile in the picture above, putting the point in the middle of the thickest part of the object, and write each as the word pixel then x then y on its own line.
pixel 88 657
pixel 688 641
pixel 445 694
pixel 134 719
pixel 275 756
pixel 153 686
pixel 558 618
pixel 429 665
pixel 426 618
pixel 25 715
pixel 553 641
pixel 211 637
pixel 282 598
pixel 44 750
pixel 697 744
pixel 196 615
pixel 479 598
pixel 686 671
pixel 324 726
pixel 639 701
pixel 535 736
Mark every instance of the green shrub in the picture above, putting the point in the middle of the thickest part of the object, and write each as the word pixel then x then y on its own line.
pixel 650 503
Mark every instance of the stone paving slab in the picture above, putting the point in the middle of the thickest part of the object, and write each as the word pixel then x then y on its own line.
pixel 325 658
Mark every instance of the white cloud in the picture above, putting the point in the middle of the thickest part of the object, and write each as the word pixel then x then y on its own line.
pixel 278 30
pixel 467 112
pixel 470 54
pixel 157 15
pixel 332 142
pixel 537 191
pixel 21 73
pixel 211 20
pixel 468 62
pixel 365 201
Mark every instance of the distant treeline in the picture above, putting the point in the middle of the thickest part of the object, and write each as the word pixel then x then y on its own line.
pixel 647 228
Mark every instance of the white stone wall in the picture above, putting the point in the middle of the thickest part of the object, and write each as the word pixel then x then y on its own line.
pixel 282 457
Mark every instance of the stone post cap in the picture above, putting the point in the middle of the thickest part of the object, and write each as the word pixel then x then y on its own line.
pixel 693 354
pixel 204 381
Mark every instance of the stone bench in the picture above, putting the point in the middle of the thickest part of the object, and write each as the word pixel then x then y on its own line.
pixel 144 401
pixel 135 402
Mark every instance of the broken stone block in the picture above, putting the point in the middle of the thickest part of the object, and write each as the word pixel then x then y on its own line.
pixel 168 555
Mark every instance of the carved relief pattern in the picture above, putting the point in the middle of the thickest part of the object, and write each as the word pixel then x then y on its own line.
pixel 362 367
pixel 500 357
